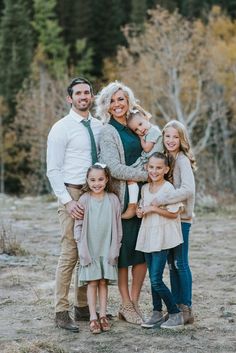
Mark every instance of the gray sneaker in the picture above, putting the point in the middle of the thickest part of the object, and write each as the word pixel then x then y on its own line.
pixel 175 321
pixel 156 319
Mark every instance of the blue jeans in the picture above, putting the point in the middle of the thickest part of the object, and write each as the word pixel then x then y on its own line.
pixel 156 262
pixel 180 273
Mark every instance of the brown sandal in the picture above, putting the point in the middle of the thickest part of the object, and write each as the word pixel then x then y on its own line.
pixel 105 323
pixel 95 326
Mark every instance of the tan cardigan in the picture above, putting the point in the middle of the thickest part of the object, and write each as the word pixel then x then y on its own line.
pixel 81 226
pixel 112 154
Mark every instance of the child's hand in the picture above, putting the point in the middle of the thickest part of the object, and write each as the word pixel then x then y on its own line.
pixel 154 202
pixel 139 212
pixel 148 209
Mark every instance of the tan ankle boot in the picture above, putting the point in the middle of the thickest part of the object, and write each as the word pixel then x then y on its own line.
pixel 129 314
pixel 130 211
pixel 138 311
pixel 187 314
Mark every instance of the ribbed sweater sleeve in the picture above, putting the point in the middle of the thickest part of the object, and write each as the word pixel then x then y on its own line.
pixel 112 154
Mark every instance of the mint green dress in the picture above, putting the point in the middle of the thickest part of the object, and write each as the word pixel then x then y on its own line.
pixel 132 149
pixel 99 240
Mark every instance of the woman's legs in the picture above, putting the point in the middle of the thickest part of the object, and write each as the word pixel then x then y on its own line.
pixel 123 285
pixel 129 308
pixel 138 274
pixel 180 273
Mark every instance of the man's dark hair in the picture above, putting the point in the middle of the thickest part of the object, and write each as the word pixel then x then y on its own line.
pixel 76 81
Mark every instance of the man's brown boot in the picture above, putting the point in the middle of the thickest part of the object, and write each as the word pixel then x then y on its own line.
pixel 63 320
pixel 81 313
pixel 187 314
pixel 130 212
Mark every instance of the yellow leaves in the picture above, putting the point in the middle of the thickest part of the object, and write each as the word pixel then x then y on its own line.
pixel 221 26
pixel 174 59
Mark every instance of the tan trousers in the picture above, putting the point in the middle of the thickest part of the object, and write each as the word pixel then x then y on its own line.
pixel 68 261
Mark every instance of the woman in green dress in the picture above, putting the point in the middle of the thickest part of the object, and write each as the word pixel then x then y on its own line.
pixel 119 148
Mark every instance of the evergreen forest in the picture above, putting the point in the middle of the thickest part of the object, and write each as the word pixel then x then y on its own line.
pixel 179 57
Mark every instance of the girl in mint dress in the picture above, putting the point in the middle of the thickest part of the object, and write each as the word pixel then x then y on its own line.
pixel 98 237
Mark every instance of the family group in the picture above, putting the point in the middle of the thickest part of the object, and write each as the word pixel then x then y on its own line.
pixel 126 194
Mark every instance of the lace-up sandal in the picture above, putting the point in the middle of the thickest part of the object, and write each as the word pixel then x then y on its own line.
pixel 105 323
pixel 128 313
pixel 95 326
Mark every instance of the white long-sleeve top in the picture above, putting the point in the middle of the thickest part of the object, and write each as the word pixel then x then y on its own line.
pixel 69 152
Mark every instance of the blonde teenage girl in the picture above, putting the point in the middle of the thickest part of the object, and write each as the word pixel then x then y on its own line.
pixel 99 238
pixel 177 146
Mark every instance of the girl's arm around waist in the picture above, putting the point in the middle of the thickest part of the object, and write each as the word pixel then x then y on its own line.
pixel 185 190
pixel 162 212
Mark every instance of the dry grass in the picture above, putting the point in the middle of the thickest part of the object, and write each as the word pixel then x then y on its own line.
pixel 27 287
pixel 36 346
pixel 9 244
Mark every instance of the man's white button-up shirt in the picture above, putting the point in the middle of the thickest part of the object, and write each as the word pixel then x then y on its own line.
pixel 69 152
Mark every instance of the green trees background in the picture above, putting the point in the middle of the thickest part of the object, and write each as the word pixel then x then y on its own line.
pixel 43 44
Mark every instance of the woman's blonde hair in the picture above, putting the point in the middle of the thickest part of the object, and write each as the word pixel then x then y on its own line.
pixel 185 146
pixel 103 99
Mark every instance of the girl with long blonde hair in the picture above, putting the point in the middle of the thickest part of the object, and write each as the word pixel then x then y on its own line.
pixel 177 148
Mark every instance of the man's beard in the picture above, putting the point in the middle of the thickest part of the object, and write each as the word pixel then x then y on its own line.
pixel 83 109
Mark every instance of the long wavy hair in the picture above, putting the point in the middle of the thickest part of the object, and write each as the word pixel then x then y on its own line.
pixel 109 185
pixel 185 146
pixel 103 99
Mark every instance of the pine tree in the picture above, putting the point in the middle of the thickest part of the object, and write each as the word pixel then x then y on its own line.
pixel 16 49
pixel 1 7
pixel 51 53
pixel 99 24
pixel 138 14
pixel 230 6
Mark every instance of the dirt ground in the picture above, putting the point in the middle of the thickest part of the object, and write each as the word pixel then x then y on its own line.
pixel 27 290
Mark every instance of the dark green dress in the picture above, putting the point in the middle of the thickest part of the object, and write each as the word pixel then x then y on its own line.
pixel 132 148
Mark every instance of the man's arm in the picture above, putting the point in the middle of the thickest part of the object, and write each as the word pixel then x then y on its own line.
pixel 75 209
pixel 56 148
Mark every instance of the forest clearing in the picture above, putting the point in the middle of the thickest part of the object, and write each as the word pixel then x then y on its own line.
pixel 30 226
pixel 179 58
